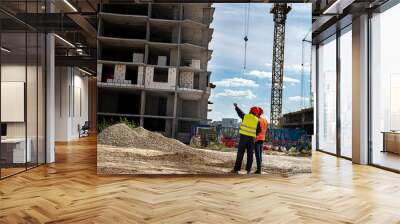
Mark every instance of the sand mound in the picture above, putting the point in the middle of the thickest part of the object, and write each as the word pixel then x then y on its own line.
pixel 121 135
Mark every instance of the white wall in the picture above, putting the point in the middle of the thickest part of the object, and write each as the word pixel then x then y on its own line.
pixel 80 111
pixel 15 73
pixel 71 102
pixel 33 126
pixel 61 103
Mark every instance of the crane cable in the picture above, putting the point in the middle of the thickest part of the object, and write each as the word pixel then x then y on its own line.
pixel 302 99
pixel 246 33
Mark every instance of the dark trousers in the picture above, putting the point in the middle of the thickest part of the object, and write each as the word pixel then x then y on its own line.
pixel 246 143
pixel 258 151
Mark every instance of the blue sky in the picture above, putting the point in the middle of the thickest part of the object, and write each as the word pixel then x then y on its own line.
pixel 253 87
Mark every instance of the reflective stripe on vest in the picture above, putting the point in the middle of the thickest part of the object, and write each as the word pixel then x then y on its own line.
pixel 249 125
pixel 263 132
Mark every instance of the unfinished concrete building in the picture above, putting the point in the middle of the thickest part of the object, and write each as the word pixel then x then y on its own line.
pixel 152 65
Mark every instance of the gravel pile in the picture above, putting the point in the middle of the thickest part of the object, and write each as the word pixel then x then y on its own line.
pixel 121 135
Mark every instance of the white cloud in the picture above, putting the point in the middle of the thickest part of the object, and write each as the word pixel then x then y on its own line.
pixel 236 82
pixel 298 98
pixel 212 96
pixel 259 74
pixel 297 68
pixel 268 64
pixel 293 67
pixel 264 74
pixel 248 94
pixel 291 80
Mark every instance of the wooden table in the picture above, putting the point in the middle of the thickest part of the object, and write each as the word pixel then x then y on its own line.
pixel 391 141
pixel 13 150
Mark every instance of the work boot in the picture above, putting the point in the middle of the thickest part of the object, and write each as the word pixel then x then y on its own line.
pixel 234 171
pixel 257 172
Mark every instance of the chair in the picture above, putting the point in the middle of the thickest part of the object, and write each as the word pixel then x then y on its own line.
pixel 84 130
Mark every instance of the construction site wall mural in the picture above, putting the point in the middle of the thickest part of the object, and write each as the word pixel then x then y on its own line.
pixel 203 88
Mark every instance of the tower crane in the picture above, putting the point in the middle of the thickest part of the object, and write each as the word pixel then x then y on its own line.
pixel 280 11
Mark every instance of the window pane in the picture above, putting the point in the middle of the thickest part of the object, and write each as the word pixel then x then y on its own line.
pixel 14 153
pixel 385 85
pixel 327 96
pixel 23 89
pixel 346 94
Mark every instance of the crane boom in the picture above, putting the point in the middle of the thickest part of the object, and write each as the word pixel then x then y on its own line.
pixel 280 11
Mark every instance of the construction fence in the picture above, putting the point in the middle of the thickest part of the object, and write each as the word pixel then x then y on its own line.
pixel 276 139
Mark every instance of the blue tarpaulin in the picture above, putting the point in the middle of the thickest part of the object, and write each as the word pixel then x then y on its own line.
pixel 297 138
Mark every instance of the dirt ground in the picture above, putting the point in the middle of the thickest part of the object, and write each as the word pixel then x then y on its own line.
pixel 122 150
pixel 122 160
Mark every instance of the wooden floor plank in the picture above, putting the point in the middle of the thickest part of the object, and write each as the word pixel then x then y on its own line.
pixel 70 191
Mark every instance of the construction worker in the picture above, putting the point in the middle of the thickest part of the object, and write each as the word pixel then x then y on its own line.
pixel 248 131
pixel 260 138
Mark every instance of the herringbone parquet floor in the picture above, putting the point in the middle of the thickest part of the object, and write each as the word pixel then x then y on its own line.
pixel 69 191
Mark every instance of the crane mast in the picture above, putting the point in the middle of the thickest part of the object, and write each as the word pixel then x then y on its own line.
pixel 280 11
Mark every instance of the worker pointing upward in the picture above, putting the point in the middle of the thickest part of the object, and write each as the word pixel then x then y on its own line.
pixel 248 131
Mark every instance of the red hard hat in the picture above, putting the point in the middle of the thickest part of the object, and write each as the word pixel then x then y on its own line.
pixel 261 111
pixel 255 110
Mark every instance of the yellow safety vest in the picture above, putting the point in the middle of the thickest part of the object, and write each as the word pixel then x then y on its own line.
pixel 249 125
